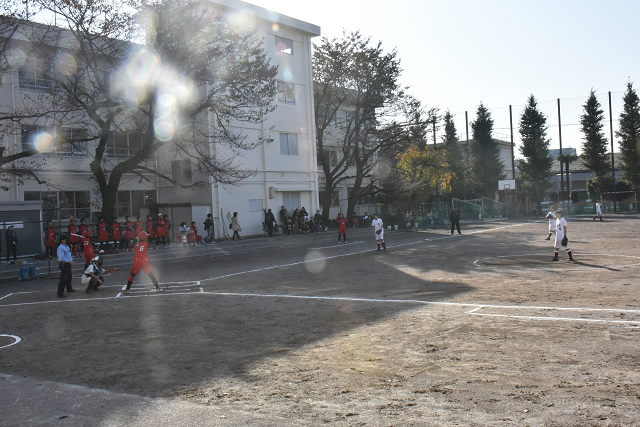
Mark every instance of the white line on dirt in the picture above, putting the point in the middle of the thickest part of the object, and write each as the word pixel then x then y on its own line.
pixel 16 340
pixel 8 295
pixel 335 246
pixel 570 319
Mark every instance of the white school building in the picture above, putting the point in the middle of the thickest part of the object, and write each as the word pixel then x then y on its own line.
pixel 286 171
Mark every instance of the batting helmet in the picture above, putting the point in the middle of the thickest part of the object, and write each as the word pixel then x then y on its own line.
pixel 143 235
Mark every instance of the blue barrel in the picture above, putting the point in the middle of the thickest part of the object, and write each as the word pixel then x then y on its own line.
pixel 24 273
pixel 32 272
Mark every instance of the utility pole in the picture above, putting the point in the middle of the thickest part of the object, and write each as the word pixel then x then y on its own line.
pixel 513 147
pixel 560 134
pixel 466 123
pixel 613 166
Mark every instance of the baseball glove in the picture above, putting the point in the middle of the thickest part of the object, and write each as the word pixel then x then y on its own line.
pixel 379 231
pixel 565 241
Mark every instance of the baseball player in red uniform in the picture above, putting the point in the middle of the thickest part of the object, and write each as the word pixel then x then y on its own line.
pixel 142 262
pixel 84 231
pixel 103 236
pixel 167 231
pixel 342 231
pixel 139 226
pixel 149 228
pixel 160 232
pixel 128 233
pixel 115 227
pixel 50 239
pixel 73 236
pixel 88 249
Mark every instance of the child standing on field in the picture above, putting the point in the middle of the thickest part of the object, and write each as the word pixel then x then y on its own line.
pixel 342 227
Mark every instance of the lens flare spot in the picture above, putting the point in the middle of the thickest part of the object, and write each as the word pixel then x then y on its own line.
pixel 287 74
pixel 181 92
pixel 143 68
pixel 314 262
pixel 167 100
pixel 66 64
pixel 275 27
pixel 43 142
pixel 164 129
pixel 16 58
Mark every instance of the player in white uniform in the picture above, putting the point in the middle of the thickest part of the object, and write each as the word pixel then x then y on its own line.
pixel 378 231
pixel 598 211
pixel 552 221
pixel 561 232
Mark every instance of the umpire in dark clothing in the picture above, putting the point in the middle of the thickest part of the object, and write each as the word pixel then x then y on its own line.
pixel 269 219
pixel 65 261
pixel 12 243
pixel 455 220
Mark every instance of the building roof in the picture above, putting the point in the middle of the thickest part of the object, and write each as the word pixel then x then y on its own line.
pixel 270 15
pixel 578 165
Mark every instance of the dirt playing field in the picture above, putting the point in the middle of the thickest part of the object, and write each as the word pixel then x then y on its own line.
pixel 478 329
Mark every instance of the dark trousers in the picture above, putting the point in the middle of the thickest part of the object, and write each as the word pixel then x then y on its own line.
pixel 65 279
pixel 270 228
pixel 455 223
pixel 10 249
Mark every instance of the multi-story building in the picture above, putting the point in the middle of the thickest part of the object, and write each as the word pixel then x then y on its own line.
pixel 284 167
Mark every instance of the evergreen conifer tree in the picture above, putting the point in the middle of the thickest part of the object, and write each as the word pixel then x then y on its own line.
pixel 454 157
pixel 486 165
pixel 594 146
pixel 629 138
pixel 535 167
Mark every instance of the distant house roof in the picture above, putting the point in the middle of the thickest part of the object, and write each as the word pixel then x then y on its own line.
pixel 270 15
pixel 578 165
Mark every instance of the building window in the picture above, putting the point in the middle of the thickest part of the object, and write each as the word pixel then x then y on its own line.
pixel 35 75
pixel 128 203
pixel 345 117
pixel 72 142
pixel 48 140
pixel 291 201
pixel 335 198
pixel 289 144
pixel 123 144
pixel 255 205
pixel 57 205
pixel 330 156
pixel 181 171
pixel 284 45
pixel 286 92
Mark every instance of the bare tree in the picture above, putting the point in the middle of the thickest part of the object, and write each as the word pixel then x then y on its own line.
pixel 362 114
pixel 161 92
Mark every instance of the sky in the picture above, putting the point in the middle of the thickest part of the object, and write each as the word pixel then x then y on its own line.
pixel 458 53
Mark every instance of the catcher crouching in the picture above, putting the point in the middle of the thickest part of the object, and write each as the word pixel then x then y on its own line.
pixel 92 276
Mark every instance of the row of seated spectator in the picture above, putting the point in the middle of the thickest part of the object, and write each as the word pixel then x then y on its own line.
pixel 300 220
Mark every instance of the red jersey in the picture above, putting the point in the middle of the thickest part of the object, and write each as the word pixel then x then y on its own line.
pixel 342 222
pixel 167 224
pixel 160 228
pixel 88 250
pixel 84 231
pixel 102 231
pixel 72 231
pixel 142 256
pixel 116 231
pixel 195 229
pixel 50 237
pixel 128 230
pixel 150 228
pixel 139 227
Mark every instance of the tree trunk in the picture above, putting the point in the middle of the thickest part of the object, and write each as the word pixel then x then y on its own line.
pixel 325 201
